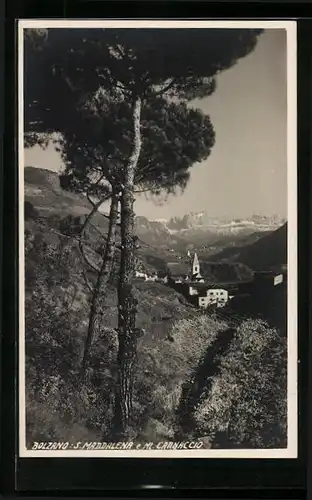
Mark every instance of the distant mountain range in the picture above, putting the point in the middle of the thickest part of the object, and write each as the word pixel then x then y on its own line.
pixel 204 220
pixel 194 232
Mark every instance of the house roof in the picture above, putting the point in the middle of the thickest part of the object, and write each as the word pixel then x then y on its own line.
pixel 204 287
pixel 213 284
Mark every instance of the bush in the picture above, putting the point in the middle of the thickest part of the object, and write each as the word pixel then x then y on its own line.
pixel 164 366
pixel 59 406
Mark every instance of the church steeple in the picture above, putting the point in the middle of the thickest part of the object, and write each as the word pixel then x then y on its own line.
pixel 195 266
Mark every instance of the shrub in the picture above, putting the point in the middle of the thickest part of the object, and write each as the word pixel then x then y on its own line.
pixel 164 366
pixel 59 406
pixel 246 406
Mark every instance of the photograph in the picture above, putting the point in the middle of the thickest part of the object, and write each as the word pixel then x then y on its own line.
pixel 157 177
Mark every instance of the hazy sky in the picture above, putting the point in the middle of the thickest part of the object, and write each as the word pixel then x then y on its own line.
pixel 246 172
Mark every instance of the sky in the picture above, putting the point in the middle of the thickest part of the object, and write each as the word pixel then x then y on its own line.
pixel 246 172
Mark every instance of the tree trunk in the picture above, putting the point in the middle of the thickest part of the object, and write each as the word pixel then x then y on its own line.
pixel 127 333
pixel 102 279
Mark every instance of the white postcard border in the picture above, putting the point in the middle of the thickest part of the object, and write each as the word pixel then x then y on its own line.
pixel 292 447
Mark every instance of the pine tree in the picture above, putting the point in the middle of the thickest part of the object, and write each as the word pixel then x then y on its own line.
pixel 139 65
pixel 174 138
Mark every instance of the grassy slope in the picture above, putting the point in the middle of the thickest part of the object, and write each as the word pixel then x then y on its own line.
pixel 56 326
pixel 268 252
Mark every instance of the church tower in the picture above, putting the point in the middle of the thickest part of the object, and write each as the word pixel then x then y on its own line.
pixel 196 266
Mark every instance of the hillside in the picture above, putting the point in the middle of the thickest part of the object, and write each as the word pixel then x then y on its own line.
pixel 42 189
pixel 268 253
pixel 225 272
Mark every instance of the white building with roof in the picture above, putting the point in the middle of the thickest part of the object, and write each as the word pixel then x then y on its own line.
pixel 192 282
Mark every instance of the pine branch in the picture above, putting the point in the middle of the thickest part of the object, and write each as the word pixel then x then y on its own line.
pixel 142 190
pixel 142 171
pixel 166 88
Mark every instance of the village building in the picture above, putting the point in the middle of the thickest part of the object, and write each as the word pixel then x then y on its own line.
pixel 219 283
pixel 278 279
pixel 144 276
pixel 151 278
pixel 196 276
pixel 206 290
pixel 209 295
pixel 140 274
pixel 189 280
pixel 179 272
pixel 213 296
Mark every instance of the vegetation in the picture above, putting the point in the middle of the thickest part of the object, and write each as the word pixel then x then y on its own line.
pixel 240 379
pixel 130 68
pixel 246 403
pixel 154 363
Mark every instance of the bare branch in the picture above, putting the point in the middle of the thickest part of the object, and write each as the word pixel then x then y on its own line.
pixel 167 87
pixel 104 215
pixel 114 81
pixel 121 87
pixel 96 184
pixel 90 288
pixel 85 258
pixel 89 200
pixel 141 190
pixel 95 208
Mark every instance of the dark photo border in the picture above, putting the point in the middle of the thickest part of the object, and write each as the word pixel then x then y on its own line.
pixel 280 478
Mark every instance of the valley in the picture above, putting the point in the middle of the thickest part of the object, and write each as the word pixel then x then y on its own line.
pixel 176 339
